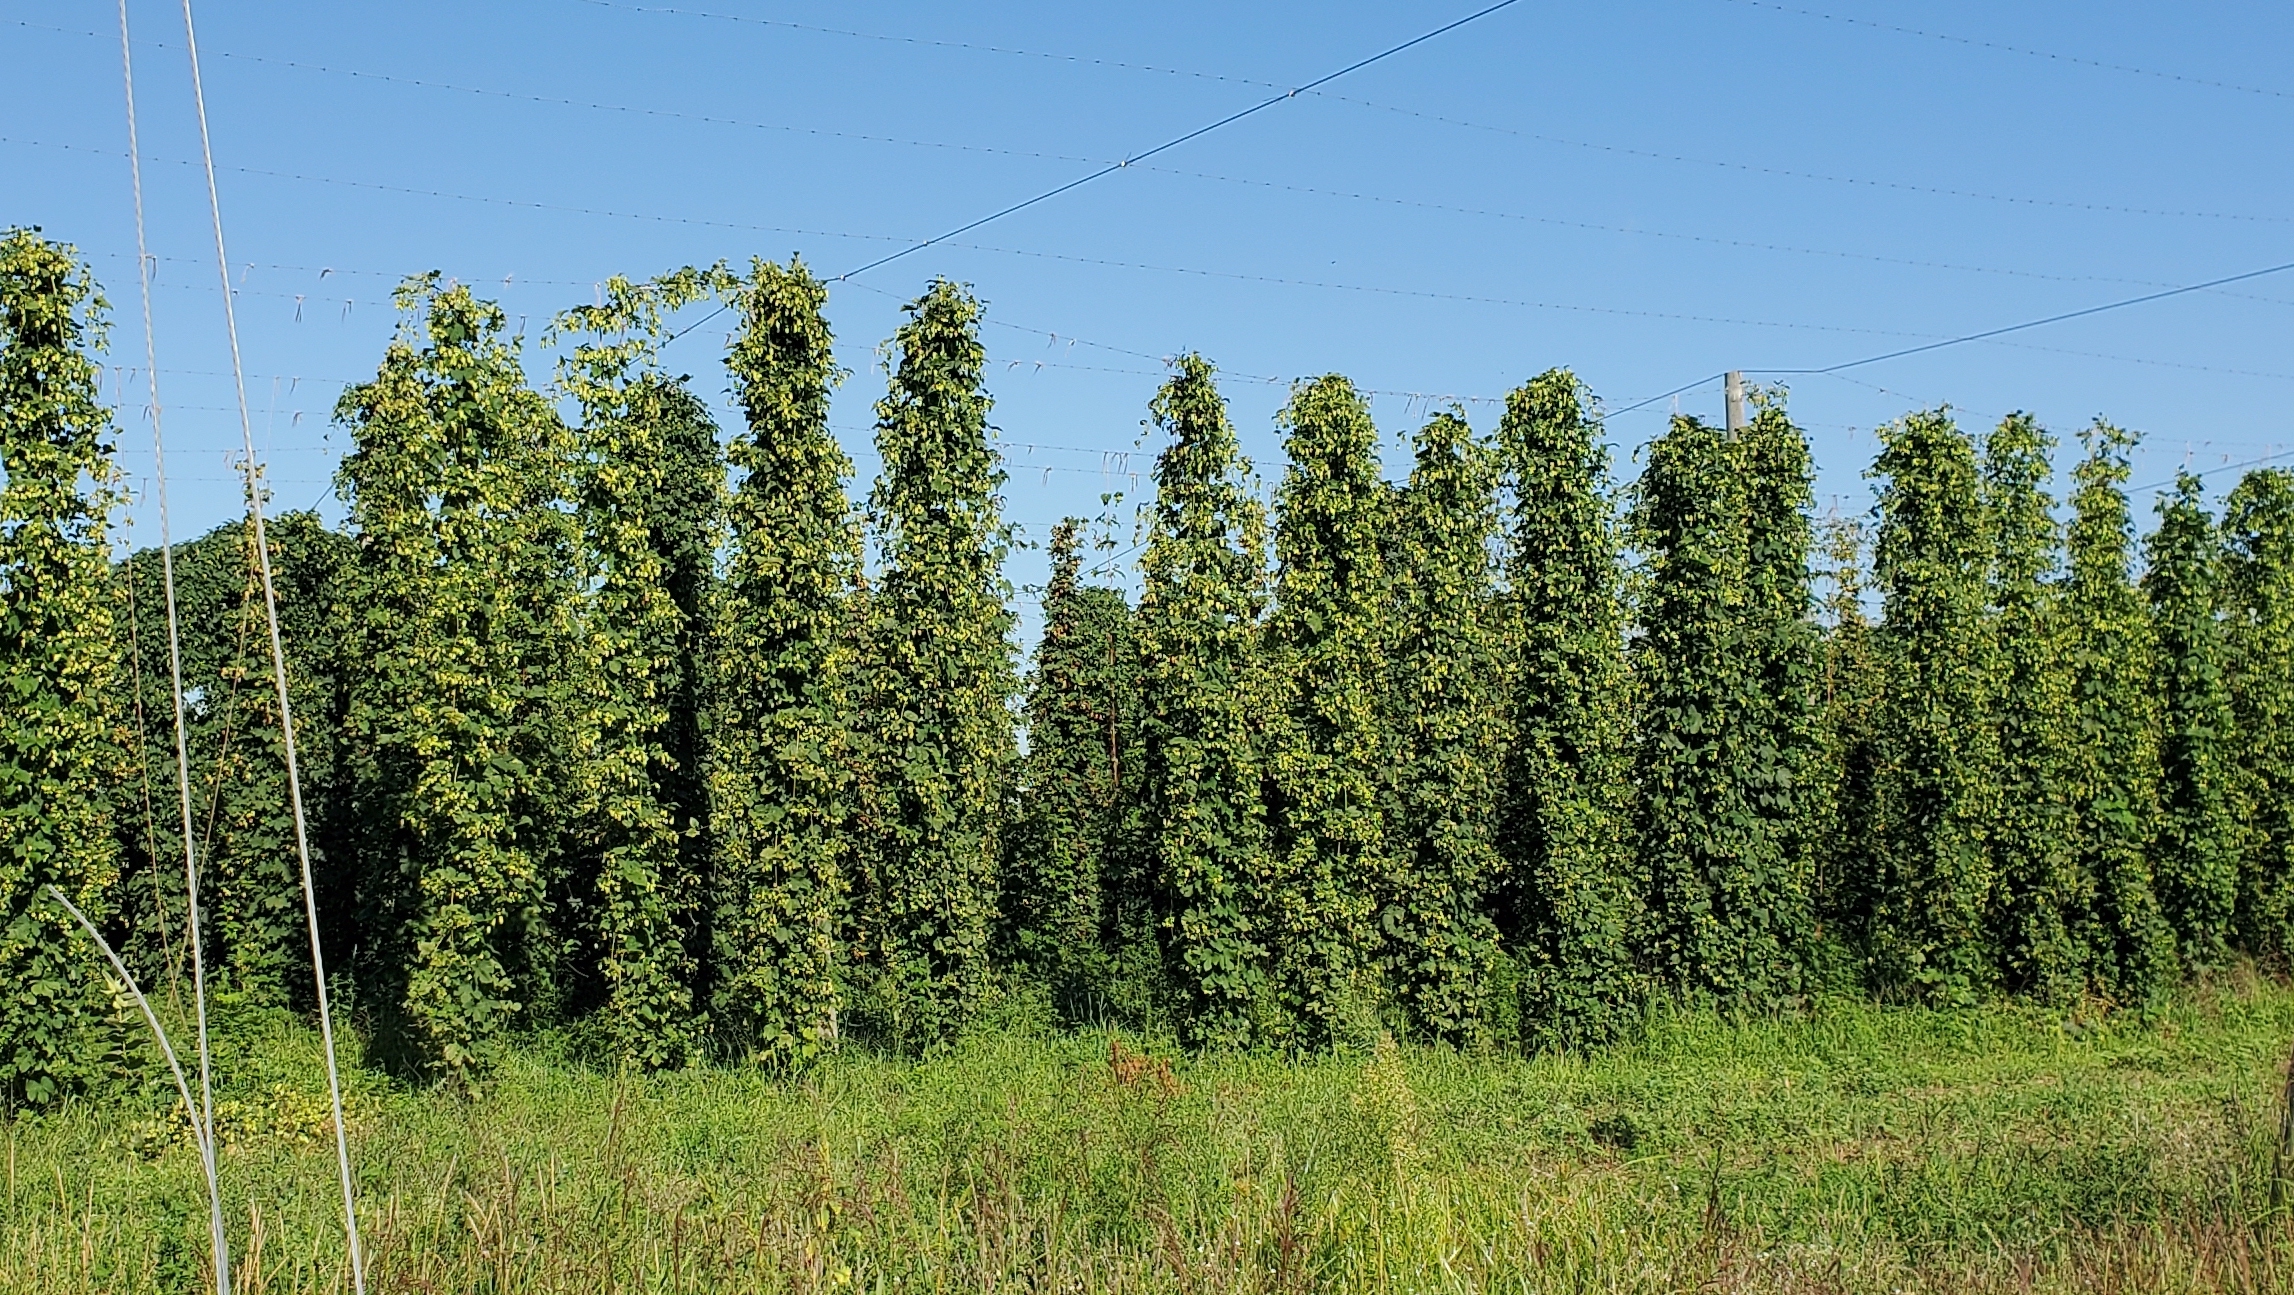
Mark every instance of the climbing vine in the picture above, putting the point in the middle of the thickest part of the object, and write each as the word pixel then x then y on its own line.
pixel 1445 688
pixel 638 523
pixel 940 741
pixel 1203 572
pixel 242 823
pixel 1932 804
pixel 740 772
pixel 464 642
pixel 782 678
pixel 2035 881
pixel 1851 693
pixel 1075 818
pixel 1780 633
pixel 2112 760
pixel 61 738
pixel 2196 855
pixel 1573 896
pixel 1725 661
pixel 1333 874
pixel 2258 598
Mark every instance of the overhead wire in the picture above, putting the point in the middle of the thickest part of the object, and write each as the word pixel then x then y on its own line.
pixel 1310 87
pixel 2025 50
pixel 278 668
pixel 2037 323
pixel 935 43
pixel 1112 167
pixel 1983 335
pixel 563 101
pixel 2225 467
pixel 1174 142
pixel 1787 173
pixel 1236 276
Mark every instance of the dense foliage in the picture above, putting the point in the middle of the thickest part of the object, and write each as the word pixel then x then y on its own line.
pixel 61 748
pixel 1929 875
pixel 244 832
pixel 1445 716
pixel 2197 849
pixel 2034 881
pixel 1572 888
pixel 607 725
pixel 779 679
pixel 463 648
pixel 2112 770
pixel 1725 673
pixel 1326 749
pixel 2258 598
pixel 644 525
pixel 1073 893
pixel 936 684
pixel 1204 699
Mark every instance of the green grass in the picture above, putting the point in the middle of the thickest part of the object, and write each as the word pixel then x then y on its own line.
pixel 1856 1148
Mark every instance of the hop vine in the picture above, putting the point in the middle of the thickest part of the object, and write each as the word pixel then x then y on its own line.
pixel 1572 898
pixel 61 740
pixel 939 738
pixel 781 682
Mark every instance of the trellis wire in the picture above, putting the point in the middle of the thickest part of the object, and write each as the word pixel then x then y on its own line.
pixel 278 669
pixel 203 1114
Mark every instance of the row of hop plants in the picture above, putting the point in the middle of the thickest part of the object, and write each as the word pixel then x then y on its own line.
pixel 617 722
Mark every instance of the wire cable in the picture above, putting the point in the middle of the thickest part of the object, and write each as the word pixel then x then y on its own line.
pixel 202 1115
pixel 1755 168
pixel 2026 51
pixel 1618 150
pixel 278 668
pixel 2037 323
pixel 1196 133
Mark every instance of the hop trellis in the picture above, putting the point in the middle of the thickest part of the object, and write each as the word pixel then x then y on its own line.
pixel 604 722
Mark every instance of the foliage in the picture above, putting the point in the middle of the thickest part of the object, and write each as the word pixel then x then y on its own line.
pixel 1071 883
pixel 463 641
pixel 1725 663
pixel 2258 598
pixel 2195 857
pixel 1334 883
pixel 781 679
pixel 1780 637
pixel 2112 760
pixel 1572 893
pixel 60 738
pixel 2035 880
pixel 1849 701
pixel 939 734
pixel 243 824
pixel 1204 688
pixel 247 845
pixel 1445 694
pixel 1926 925
pixel 559 768
pixel 638 523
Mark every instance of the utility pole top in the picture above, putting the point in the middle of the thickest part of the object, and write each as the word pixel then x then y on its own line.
pixel 1735 401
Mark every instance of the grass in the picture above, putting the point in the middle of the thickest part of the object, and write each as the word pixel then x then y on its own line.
pixel 1856 1148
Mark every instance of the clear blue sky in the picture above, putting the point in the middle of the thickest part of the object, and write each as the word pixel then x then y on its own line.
pixel 1647 191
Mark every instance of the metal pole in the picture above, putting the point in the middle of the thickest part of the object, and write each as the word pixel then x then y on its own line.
pixel 1735 401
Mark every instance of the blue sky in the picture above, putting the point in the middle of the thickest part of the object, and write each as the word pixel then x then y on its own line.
pixel 1647 191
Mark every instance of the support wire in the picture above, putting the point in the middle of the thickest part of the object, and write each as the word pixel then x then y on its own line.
pixel 278 671
pixel 203 1114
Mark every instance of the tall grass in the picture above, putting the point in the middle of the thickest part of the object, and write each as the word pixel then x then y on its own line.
pixel 1855 1148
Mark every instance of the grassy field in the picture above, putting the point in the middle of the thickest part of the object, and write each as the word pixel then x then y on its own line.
pixel 1856 1148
